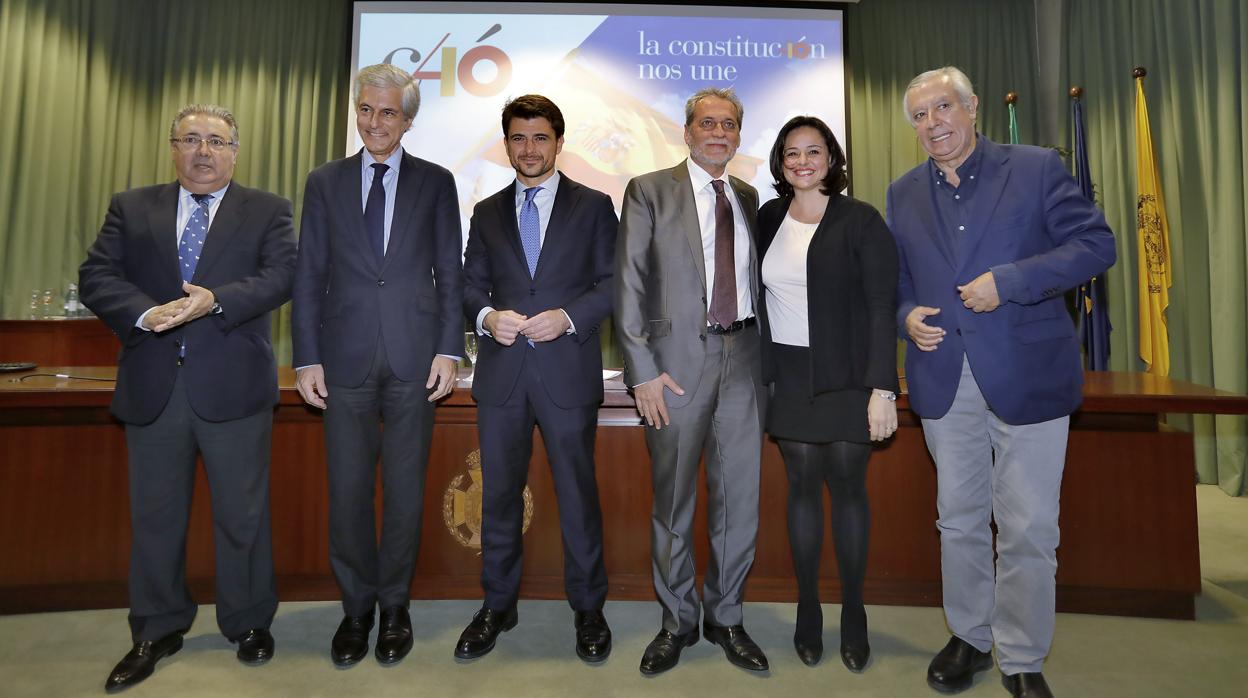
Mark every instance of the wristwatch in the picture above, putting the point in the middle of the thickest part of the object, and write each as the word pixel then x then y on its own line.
pixel 886 394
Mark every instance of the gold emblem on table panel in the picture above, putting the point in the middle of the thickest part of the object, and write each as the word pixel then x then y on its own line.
pixel 461 505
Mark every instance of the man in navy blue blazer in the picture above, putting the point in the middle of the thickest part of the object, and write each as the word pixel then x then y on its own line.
pixel 539 267
pixel 186 274
pixel 989 239
pixel 377 335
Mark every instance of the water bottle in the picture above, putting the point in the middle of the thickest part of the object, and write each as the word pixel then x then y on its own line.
pixel 46 306
pixel 73 308
pixel 33 313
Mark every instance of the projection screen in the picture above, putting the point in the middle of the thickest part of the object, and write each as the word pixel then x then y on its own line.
pixel 620 74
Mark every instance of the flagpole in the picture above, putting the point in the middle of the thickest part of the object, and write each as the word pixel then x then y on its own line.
pixel 1011 98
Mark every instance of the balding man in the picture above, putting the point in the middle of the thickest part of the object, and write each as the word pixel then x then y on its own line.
pixel 186 274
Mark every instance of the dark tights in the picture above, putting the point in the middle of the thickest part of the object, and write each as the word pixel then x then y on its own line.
pixel 842 466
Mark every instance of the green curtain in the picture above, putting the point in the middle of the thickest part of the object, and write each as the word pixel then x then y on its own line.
pixel 888 42
pixel 90 86
pixel 1196 54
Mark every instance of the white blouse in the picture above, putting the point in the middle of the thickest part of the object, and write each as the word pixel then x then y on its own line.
pixel 784 276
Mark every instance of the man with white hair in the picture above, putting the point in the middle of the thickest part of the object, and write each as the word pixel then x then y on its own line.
pixel 989 239
pixel 377 334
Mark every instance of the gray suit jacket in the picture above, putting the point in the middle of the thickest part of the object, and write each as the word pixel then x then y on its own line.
pixel 660 278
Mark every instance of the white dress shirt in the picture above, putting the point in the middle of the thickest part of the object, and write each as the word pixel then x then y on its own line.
pixel 704 198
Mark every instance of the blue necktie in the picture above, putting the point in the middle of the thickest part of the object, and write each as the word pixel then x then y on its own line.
pixel 193 237
pixel 531 229
pixel 375 212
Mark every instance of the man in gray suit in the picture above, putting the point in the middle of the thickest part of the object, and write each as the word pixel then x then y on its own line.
pixel 685 292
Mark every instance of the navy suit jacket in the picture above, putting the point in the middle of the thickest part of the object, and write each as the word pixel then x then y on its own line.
pixel 346 300
pixel 1030 225
pixel 248 263
pixel 574 272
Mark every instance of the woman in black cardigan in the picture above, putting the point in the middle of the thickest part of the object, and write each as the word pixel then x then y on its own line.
pixel 829 352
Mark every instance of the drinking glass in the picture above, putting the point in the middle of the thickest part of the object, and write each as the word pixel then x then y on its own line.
pixel 470 348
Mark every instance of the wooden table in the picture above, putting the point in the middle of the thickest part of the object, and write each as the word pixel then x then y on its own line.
pixel 1129 536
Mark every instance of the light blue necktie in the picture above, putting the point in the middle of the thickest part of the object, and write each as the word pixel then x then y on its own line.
pixel 531 230
pixel 193 237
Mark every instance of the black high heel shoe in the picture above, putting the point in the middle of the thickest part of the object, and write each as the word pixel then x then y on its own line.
pixel 855 649
pixel 855 656
pixel 808 637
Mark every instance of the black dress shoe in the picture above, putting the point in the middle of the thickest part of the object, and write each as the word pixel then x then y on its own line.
pixel 738 646
pixel 255 647
pixel 140 661
pixel 664 651
pixel 809 649
pixel 394 635
pixel 855 655
pixel 1027 685
pixel 953 668
pixel 478 638
pixel 350 642
pixel 593 636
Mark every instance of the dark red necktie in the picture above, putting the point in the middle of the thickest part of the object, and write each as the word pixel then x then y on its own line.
pixel 724 294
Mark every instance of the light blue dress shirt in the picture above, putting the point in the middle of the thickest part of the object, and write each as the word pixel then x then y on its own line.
pixel 544 200
pixel 390 181
pixel 186 206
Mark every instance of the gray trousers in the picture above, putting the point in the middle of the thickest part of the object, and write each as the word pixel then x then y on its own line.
pixel 724 418
pixel 987 469
pixel 162 482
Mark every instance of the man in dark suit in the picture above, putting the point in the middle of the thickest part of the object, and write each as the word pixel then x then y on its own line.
pixel 185 274
pixel 377 335
pixel 686 289
pixel 539 270
pixel 989 238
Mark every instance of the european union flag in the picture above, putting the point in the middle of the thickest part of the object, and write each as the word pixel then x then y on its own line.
pixel 1091 301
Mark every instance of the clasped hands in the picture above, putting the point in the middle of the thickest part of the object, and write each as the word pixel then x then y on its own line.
pixel 197 303
pixel 506 325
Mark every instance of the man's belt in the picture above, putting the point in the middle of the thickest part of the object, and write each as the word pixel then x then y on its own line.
pixel 734 327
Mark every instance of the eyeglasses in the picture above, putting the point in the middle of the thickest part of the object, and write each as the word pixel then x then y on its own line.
pixel 729 125
pixel 189 143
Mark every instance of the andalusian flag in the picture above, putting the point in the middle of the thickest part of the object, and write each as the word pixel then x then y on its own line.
pixel 1154 244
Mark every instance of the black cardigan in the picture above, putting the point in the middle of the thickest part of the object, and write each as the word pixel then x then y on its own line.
pixel 851 290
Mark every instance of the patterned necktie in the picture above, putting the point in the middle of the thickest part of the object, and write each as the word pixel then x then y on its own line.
pixel 724 294
pixel 531 229
pixel 375 212
pixel 193 237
